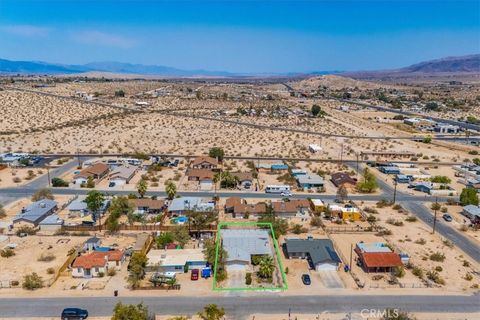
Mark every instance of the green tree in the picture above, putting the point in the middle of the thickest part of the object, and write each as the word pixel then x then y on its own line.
pixel 142 187
pixel 441 179
pixel 427 139
pixel 201 220
pixel 209 251
pixel 316 110
pixel 120 93
pixel 469 196
pixel 42 194
pixel 94 201
pixel 266 267
pixel 431 106
pixel 130 312
pixel 57 182
pixel 137 265
pixel 217 153
pixel 342 193
pixel 163 239
pixel 90 183
pixel 211 312
pixel 368 184
pixel 171 190
pixel 476 161
pixel 181 235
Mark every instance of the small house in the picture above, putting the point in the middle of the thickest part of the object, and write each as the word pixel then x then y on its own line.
pixel 389 169
pixel 96 172
pixel 92 243
pixel 205 162
pixel 97 263
pixel 239 208
pixel 245 179
pixel 292 208
pixel 340 179
pixel 122 175
pixel 472 212
pixel 377 257
pixel 179 206
pixel 147 206
pixel 310 181
pixel 178 261
pixel 51 223
pixel 402 178
pixel 320 253
pixel 36 212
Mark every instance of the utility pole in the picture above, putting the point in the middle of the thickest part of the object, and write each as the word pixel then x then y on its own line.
pixel 48 177
pixel 341 154
pixel 394 190
pixel 435 215
pixel 78 159
pixel 351 257
pixel 356 153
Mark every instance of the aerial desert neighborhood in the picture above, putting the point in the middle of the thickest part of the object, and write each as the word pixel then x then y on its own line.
pixel 215 172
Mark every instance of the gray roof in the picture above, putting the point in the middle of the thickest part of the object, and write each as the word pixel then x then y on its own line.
pixel 319 250
pixel 79 204
pixel 52 220
pixel 242 244
pixel 93 240
pixel 123 172
pixel 310 178
pixel 473 210
pixel 37 211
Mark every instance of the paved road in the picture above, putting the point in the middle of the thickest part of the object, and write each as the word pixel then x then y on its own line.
pixel 240 306
pixel 465 125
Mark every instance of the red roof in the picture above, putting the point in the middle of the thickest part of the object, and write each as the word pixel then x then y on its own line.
pixel 381 259
pixel 97 259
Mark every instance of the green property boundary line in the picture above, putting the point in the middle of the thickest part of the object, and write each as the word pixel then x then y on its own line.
pixel 277 252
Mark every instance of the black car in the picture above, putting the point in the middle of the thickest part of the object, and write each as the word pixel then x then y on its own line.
pixel 447 217
pixel 306 279
pixel 74 313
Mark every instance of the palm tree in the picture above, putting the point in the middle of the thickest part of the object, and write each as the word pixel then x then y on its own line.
pixel 266 267
pixel 216 178
pixel 142 187
pixel 171 190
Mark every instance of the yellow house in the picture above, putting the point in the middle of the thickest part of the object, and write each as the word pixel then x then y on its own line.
pixel 350 214
pixel 317 206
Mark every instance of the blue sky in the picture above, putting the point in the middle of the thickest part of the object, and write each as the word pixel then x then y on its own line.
pixel 240 36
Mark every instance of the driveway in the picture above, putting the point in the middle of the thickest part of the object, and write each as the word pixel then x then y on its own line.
pixel 236 279
pixel 331 279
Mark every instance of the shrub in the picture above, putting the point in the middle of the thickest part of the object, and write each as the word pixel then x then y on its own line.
pixel 111 272
pixel 32 281
pixel 101 274
pixel 438 268
pixel 46 257
pixel 50 271
pixel 411 219
pixel 468 277
pixel 371 219
pixel 248 278
pixel 418 272
pixel 57 182
pixel 421 241
pixel 399 272
pixel 448 243
pixel 14 283
pixel 7 253
pixel 435 277
pixel 437 256
pixel 25 229
pixel 383 203
pixel 466 263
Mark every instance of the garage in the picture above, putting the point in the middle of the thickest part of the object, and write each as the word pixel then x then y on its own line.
pixel 206 185
pixel 325 266
pixel 236 265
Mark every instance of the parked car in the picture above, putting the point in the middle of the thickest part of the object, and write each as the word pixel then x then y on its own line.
pixel 195 274
pixel 306 279
pixel 74 313
pixel 286 194
pixel 447 217
pixel 111 184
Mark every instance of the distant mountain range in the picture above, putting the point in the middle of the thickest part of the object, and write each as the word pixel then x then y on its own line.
pixel 451 65
pixel 470 63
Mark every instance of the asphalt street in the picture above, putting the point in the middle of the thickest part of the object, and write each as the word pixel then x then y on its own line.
pixel 240 306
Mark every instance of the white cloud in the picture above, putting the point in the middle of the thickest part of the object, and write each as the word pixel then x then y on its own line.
pixel 26 30
pixel 103 39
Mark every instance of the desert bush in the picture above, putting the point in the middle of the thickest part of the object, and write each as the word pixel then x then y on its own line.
pixel 46 257
pixel 448 243
pixel 50 270
pixel 468 277
pixel 466 263
pixel 248 278
pixel 111 272
pixel 421 241
pixel 418 272
pixel 437 256
pixel 32 281
pixel 7 253
pixel 399 272
pixel 438 268
pixel 101 274
pixel 411 219
pixel 25 229
pixel 435 277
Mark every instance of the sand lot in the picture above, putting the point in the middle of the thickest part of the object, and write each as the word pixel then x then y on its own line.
pixel 10 177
